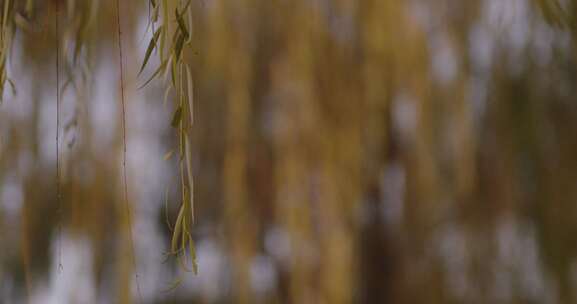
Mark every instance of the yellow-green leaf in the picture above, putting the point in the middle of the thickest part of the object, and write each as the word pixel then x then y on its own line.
pixel 150 48
pixel 177 117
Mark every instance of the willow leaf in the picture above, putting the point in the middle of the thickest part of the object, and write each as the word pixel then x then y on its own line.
pixel 181 24
pixel 150 48
pixel 177 230
pixel 160 69
pixel 177 117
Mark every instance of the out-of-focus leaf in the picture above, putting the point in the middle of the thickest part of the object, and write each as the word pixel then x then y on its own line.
pixel 168 155
pixel 174 285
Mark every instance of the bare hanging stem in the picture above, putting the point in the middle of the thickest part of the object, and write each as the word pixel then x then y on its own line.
pixel 58 192
pixel 125 179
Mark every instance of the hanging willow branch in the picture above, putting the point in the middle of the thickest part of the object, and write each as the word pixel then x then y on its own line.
pixel 171 24
pixel 125 179
pixel 171 38
pixel 58 191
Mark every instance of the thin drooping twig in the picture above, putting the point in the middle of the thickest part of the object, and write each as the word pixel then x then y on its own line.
pixel 125 179
pixel 58 192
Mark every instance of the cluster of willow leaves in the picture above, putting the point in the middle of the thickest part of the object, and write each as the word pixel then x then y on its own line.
pixel 343 151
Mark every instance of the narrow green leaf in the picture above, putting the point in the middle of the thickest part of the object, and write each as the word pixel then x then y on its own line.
pixel 188 153
pixel 192 254
pixel 150 48
pixel 178 46
pixel 160 69
pixel 177 117
pixel 166 209
pixel 177 231
pixel 181 24
pixel 190 94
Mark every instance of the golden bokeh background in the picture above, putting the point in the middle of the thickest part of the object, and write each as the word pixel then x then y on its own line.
pixel 343 151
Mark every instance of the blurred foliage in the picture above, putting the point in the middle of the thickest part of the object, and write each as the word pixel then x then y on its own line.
pixel 344 151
